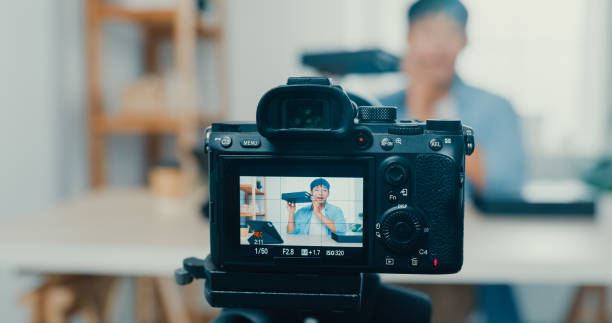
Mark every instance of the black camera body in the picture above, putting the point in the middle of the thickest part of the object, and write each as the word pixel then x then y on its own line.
pixel 319 185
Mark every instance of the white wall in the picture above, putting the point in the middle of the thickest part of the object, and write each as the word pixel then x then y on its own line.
pixel 29 157
pixel 266 38
pixel 28 101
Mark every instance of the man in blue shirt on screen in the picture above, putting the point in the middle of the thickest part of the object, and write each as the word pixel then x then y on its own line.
pixel 436 36
pixel 319 217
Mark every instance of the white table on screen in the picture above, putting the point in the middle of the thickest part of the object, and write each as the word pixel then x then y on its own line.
pixel 296 240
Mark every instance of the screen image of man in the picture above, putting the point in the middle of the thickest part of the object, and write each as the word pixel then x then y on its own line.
pixel 318 218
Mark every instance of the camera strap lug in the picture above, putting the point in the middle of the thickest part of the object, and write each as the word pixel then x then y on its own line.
pixel 468 134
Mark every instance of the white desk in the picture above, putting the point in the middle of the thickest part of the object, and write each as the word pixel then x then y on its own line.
pixel 118 232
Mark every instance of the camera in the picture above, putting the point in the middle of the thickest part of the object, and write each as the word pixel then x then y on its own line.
pixel 321 185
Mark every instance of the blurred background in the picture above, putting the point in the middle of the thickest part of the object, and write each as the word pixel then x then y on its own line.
pixel 102 184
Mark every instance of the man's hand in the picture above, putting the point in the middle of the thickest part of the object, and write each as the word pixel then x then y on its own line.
pixel 290 221
pixel 291 208
pixel 317 208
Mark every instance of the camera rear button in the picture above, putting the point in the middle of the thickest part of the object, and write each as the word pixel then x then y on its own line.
pixel 386 143
pixel 390 261
pixel 226 141
pixel 250 143
pixel 392 197
pixel 435 144
pixel 414 262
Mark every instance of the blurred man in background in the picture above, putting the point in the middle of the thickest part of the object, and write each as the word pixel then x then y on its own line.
pixel 436 36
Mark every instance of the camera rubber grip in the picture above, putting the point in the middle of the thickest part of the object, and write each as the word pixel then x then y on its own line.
pixel 436 190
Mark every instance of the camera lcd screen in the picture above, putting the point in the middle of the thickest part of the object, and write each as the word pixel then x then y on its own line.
pixel 316 214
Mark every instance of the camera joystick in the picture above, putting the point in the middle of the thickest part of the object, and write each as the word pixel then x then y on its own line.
pixel 396 174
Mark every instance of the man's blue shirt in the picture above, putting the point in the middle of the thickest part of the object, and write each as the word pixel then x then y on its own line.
pixel 496 132
pixel 302 218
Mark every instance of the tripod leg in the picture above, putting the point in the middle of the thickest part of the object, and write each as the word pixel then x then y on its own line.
pixel 244 315
pixel 383 303
pixel 397 304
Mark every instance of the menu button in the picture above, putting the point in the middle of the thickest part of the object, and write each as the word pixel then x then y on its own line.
pixel 250 143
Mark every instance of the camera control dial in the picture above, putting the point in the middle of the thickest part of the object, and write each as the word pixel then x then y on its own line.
pixel 401 228
pixel 377 114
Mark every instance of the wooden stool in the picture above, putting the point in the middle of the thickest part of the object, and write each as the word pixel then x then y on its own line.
pixel 62 296
pixel 581 307
pixel 157 299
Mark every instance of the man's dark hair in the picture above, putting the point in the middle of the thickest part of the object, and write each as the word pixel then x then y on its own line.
pixel 452 8
pixel 319 182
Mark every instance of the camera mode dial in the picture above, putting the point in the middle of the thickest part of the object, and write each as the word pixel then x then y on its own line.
pixel 401 229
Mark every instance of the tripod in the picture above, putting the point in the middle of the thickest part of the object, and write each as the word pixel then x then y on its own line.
pixel 271 298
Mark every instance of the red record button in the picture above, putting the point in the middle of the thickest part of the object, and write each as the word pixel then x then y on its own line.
pixel 363 139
